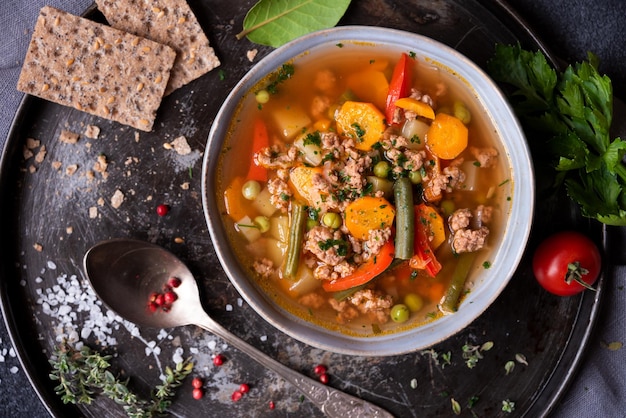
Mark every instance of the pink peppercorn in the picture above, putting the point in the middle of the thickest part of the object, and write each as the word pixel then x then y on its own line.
pixel 162 210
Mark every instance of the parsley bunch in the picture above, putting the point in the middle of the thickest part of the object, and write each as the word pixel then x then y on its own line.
pixel 573 110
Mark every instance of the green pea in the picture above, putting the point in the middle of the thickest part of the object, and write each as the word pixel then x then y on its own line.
pixel 415 177
pixel 263 222
pixel 251 189
pixel 462 112
pixel 262 96
pixel 331 220
pixel 381 169
pixel 400 313
pixel 447 207
pixel 310 224
pixel 414 302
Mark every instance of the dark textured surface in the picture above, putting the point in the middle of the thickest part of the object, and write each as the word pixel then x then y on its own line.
pixel 570 28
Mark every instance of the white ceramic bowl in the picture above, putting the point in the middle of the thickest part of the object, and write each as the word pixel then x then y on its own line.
pixel 489 283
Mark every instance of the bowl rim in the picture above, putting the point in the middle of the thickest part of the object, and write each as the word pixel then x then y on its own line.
pixel 516 230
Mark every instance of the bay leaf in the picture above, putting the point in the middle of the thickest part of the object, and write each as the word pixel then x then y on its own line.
pixel 276 22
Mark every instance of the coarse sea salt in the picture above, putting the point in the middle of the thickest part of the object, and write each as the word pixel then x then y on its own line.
pixel 72 298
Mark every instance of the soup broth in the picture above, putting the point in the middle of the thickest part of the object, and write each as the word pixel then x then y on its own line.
pixel 314 179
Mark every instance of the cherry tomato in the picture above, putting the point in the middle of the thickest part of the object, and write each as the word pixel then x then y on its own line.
pixel 567 263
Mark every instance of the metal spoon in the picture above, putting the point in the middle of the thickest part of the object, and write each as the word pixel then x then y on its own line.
pixel 125 272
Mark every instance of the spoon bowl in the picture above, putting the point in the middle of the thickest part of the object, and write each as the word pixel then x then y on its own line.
pixel 124 273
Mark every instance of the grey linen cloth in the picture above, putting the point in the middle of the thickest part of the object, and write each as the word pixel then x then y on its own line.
pixel 570 27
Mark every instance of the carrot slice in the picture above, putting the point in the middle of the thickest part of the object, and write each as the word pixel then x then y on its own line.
pixel 361 121
pixel 446 137
pixel 367 213
pixel 365 272
pixel 235 203
pixel 416 106
pixel 260 140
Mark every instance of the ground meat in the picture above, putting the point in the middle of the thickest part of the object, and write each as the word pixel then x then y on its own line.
pixel 325 81
pixel 486 157
pixel 276 157
pixel 468 240
pixel 374 304
pixel 449 178
pixel 312 300
pixel 375 241
pixel 280 194
pixel 319 106
pixel 460 219
pixel 263 267
pixel 345 310
pixel 319 238
pixel 327 272
pixel 418 95
pixel 465 239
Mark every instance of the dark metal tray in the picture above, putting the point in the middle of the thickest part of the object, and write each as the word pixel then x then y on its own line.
pixel 46 208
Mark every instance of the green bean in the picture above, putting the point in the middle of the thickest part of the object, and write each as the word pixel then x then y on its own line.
pixel 296 237
pixel 450 301
pixel 405 214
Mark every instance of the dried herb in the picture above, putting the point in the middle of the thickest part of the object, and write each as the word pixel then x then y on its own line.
pixel 85 373
pixel 276 22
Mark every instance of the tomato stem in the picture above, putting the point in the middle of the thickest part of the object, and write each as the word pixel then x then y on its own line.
pixel 575 273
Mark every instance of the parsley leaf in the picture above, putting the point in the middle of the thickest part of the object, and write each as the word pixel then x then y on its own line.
pixel 568 115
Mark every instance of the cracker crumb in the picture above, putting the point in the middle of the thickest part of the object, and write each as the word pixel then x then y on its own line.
pixel 93 212
pixel 185 186
pixel 57 165
pixel 100 201
pixel 117 199
pixel 251 54
pixel 32 143
pixel 69 230
pixel 71 169
pixel 41 154
pixel 90 175
pixel 27 153
pixel 181 146
pixel 38 247
pixel 100 166
pixel 136 136
pixel 32 169
pixel 179 240
pixel 68 137
pixel 92 132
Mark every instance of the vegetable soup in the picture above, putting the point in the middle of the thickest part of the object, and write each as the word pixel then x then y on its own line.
pixel 363 192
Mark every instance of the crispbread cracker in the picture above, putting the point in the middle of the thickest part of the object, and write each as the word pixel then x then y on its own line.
pixel 170 22
pixel 95 68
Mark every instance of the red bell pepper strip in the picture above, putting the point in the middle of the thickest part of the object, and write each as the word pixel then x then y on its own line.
pixel 424 258
pixel 365 272
pixel 399 86
pixel 260 140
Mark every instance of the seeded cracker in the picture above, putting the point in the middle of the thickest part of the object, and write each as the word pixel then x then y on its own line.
pixel 95 68
pixel 170 22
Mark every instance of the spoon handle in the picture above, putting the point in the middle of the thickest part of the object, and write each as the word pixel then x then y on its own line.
pixel 334 403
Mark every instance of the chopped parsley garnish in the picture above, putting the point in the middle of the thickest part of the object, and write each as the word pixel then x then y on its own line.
pixel 313 138
pixel 340 245
pixel 284 73
pixel 359 131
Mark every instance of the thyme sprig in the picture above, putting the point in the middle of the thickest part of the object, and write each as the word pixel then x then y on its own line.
pixel 84 373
